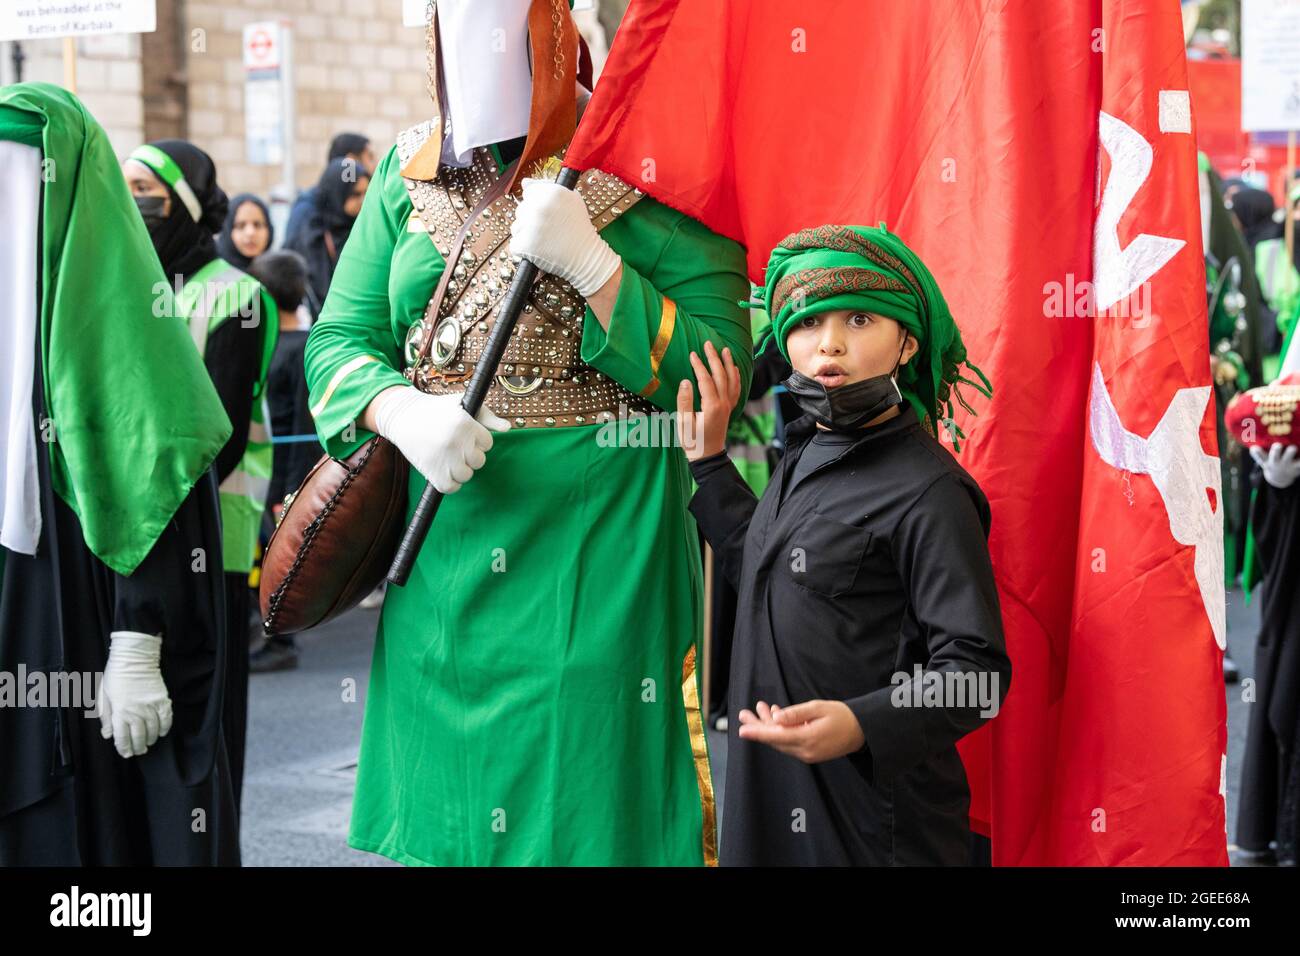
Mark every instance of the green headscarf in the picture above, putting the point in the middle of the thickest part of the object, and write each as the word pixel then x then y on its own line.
pixel 136 418
pixel 872 270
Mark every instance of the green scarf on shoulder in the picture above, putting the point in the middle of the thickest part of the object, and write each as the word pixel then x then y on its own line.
pixel 136 420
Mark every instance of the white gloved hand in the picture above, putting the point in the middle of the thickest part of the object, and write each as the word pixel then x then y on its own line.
pixel 134 708
pixel 1281 466
pixel 435 434
pixel 553 229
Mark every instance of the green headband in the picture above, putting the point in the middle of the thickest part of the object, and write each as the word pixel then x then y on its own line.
pixel 171 174
pixel 872 270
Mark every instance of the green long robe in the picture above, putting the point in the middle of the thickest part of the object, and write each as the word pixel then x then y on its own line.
pixel 531 691
pixel 135 418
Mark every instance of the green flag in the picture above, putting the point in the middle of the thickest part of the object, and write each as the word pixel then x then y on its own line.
pixel 135 417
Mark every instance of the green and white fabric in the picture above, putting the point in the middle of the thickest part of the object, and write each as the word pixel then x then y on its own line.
pixel 216 294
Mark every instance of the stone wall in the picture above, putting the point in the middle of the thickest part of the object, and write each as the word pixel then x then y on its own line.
pixel 108 80
pixel 357 68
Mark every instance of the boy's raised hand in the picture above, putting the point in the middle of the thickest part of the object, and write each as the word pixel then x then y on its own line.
pixel 813 731
pixel 704 433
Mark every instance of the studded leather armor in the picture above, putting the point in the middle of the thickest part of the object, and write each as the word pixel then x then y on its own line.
pixel 542 381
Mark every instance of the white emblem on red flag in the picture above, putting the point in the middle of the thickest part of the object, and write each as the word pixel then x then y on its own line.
pixel 1118 272
pixel 1181 472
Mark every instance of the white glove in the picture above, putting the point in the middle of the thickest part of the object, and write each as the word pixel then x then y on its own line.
pixel 1281 467
pixel 553 229
pixel 134 707
pixel 436 435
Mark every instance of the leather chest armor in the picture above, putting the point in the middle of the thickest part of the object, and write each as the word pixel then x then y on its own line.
pixel 542 381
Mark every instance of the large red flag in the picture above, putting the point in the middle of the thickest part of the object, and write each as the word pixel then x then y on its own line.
pixel 1040 158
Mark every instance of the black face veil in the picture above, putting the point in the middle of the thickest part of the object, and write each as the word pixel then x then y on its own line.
pixel 184 239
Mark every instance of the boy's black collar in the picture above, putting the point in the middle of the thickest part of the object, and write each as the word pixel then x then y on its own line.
pixel 803 428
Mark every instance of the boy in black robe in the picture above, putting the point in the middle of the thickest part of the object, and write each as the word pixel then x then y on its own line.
pixel 868 638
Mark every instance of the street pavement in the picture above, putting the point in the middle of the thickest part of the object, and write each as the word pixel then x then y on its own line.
pixel 303 733
pixel 304 726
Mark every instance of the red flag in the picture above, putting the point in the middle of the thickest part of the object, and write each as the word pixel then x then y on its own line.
pixel 1040 159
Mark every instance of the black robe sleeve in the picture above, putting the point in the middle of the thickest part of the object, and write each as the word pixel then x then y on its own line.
pixel 723 507
pixel 941 552
pixel 1274 523
pixel 770 369
pixel 173 577
pixel 286 389
pixel 233 358
pixel 178 591
pixel 302 455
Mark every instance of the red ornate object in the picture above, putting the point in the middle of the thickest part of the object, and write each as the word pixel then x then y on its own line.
pixel 1267 416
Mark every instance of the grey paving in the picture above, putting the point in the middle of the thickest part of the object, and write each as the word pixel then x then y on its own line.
pixel 303 734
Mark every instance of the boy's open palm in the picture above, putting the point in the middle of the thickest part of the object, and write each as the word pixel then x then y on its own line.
pixel 813 731
pixel 704 433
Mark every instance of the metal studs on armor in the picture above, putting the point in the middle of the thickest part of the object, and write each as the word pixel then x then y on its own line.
pixel 446 341
pixel 560 389
pixel 414 342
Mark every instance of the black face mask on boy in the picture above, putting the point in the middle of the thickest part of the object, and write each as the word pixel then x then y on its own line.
pixel 847 407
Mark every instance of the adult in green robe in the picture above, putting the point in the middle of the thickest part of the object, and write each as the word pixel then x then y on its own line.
pixel 112 542
pixel 533 697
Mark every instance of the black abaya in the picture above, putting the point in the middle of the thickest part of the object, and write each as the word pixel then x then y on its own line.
pixel 66 796
pixel 1270 773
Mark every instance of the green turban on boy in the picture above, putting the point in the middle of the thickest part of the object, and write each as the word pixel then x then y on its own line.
pixel 872 270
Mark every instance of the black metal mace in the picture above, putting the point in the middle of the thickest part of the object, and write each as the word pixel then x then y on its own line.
pixel 475 394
